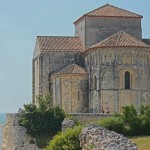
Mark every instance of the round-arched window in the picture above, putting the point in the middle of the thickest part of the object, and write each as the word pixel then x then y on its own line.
pixel 127 80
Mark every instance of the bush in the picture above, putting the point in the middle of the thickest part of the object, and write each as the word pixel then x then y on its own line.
pixel 39 122
pixel 69 140
pixel 113 123
pixel 129 123
pixel 131 120
pixel 145 119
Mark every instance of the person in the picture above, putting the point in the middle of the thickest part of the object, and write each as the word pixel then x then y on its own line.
pixel 107 110
pixel 102 110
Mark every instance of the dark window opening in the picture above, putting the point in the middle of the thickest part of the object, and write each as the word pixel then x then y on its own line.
pixel 78 95
pixel 127 80
pixel 95 83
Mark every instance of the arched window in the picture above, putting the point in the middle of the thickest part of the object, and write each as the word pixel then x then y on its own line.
pixel 108 80
pixel 127 80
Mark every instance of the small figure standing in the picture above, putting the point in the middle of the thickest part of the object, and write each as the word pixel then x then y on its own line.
pixel 107 110
pixel 102 110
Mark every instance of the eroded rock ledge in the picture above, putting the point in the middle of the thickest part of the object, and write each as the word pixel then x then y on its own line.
pixel 93 137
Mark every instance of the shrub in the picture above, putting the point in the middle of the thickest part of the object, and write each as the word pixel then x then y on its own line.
pixel 69 140
pixel 145 119
pixel 38 121
pixel 42 124
pixel 113 123
pixel 131 120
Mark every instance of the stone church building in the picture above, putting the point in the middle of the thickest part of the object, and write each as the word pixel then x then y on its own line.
pixel 105 64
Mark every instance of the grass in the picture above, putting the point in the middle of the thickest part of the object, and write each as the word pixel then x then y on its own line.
pixel 143 142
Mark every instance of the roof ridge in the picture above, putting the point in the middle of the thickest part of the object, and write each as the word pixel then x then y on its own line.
pixel 73 67
pixel 116 8
pixel 109 10
pixel 96 9
pixel 119 38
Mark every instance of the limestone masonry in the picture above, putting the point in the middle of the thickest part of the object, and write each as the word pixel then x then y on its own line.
pixel 15 136
pixel 105 65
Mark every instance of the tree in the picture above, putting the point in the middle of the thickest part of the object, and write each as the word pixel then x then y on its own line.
pixel 44 102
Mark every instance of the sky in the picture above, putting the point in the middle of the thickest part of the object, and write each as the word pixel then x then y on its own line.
pixel 21 21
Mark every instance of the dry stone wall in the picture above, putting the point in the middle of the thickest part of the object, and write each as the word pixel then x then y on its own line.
pixel 15 136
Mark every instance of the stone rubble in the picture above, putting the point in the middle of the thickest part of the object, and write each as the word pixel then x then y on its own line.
pixel 93 137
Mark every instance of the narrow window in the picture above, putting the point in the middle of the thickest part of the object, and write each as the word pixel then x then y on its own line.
pixel 95 83
pixel 127 80
pixel 78 95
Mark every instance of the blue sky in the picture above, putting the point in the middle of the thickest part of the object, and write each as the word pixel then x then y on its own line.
pixel 22 20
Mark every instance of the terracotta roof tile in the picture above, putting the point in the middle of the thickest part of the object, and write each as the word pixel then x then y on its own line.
pixel 72 69
pixel 110 11
pixel 56 43
pixel 120 39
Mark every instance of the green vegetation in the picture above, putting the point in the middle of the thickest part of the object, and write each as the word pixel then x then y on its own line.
pixel 129 123
pixel 143 142
pixel 69 140
pixel 112 123
pixel 43 121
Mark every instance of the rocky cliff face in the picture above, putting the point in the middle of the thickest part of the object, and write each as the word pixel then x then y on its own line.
pixel 15 136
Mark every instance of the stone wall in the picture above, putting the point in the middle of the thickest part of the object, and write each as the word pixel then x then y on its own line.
pixel 93 137
pixel 70 92
pixel 106 68
pixel 15 136
pixel 46 64
pixel 86 118
pixel 94 29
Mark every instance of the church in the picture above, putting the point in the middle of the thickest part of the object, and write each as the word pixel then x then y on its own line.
pixel 106 64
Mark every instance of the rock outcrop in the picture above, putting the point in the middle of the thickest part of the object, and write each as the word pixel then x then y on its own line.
pixel 67 123
pixel 93 137
pixel 15 136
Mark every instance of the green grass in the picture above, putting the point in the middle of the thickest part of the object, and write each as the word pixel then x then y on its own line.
pixel 143 142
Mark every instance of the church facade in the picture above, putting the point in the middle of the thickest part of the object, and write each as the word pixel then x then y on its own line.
pixel 105 65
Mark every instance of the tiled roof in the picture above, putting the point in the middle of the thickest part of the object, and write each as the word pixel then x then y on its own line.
pixel 56 43
pixel 120 39
pixel 72 69
pixel 110 11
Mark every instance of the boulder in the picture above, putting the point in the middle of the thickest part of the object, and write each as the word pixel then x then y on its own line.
pixel 94 137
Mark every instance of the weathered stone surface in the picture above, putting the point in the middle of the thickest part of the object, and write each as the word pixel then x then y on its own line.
pixel 97 138
pixel 70 92
pixel 15 136
pixel 67 123
pixel 107 68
